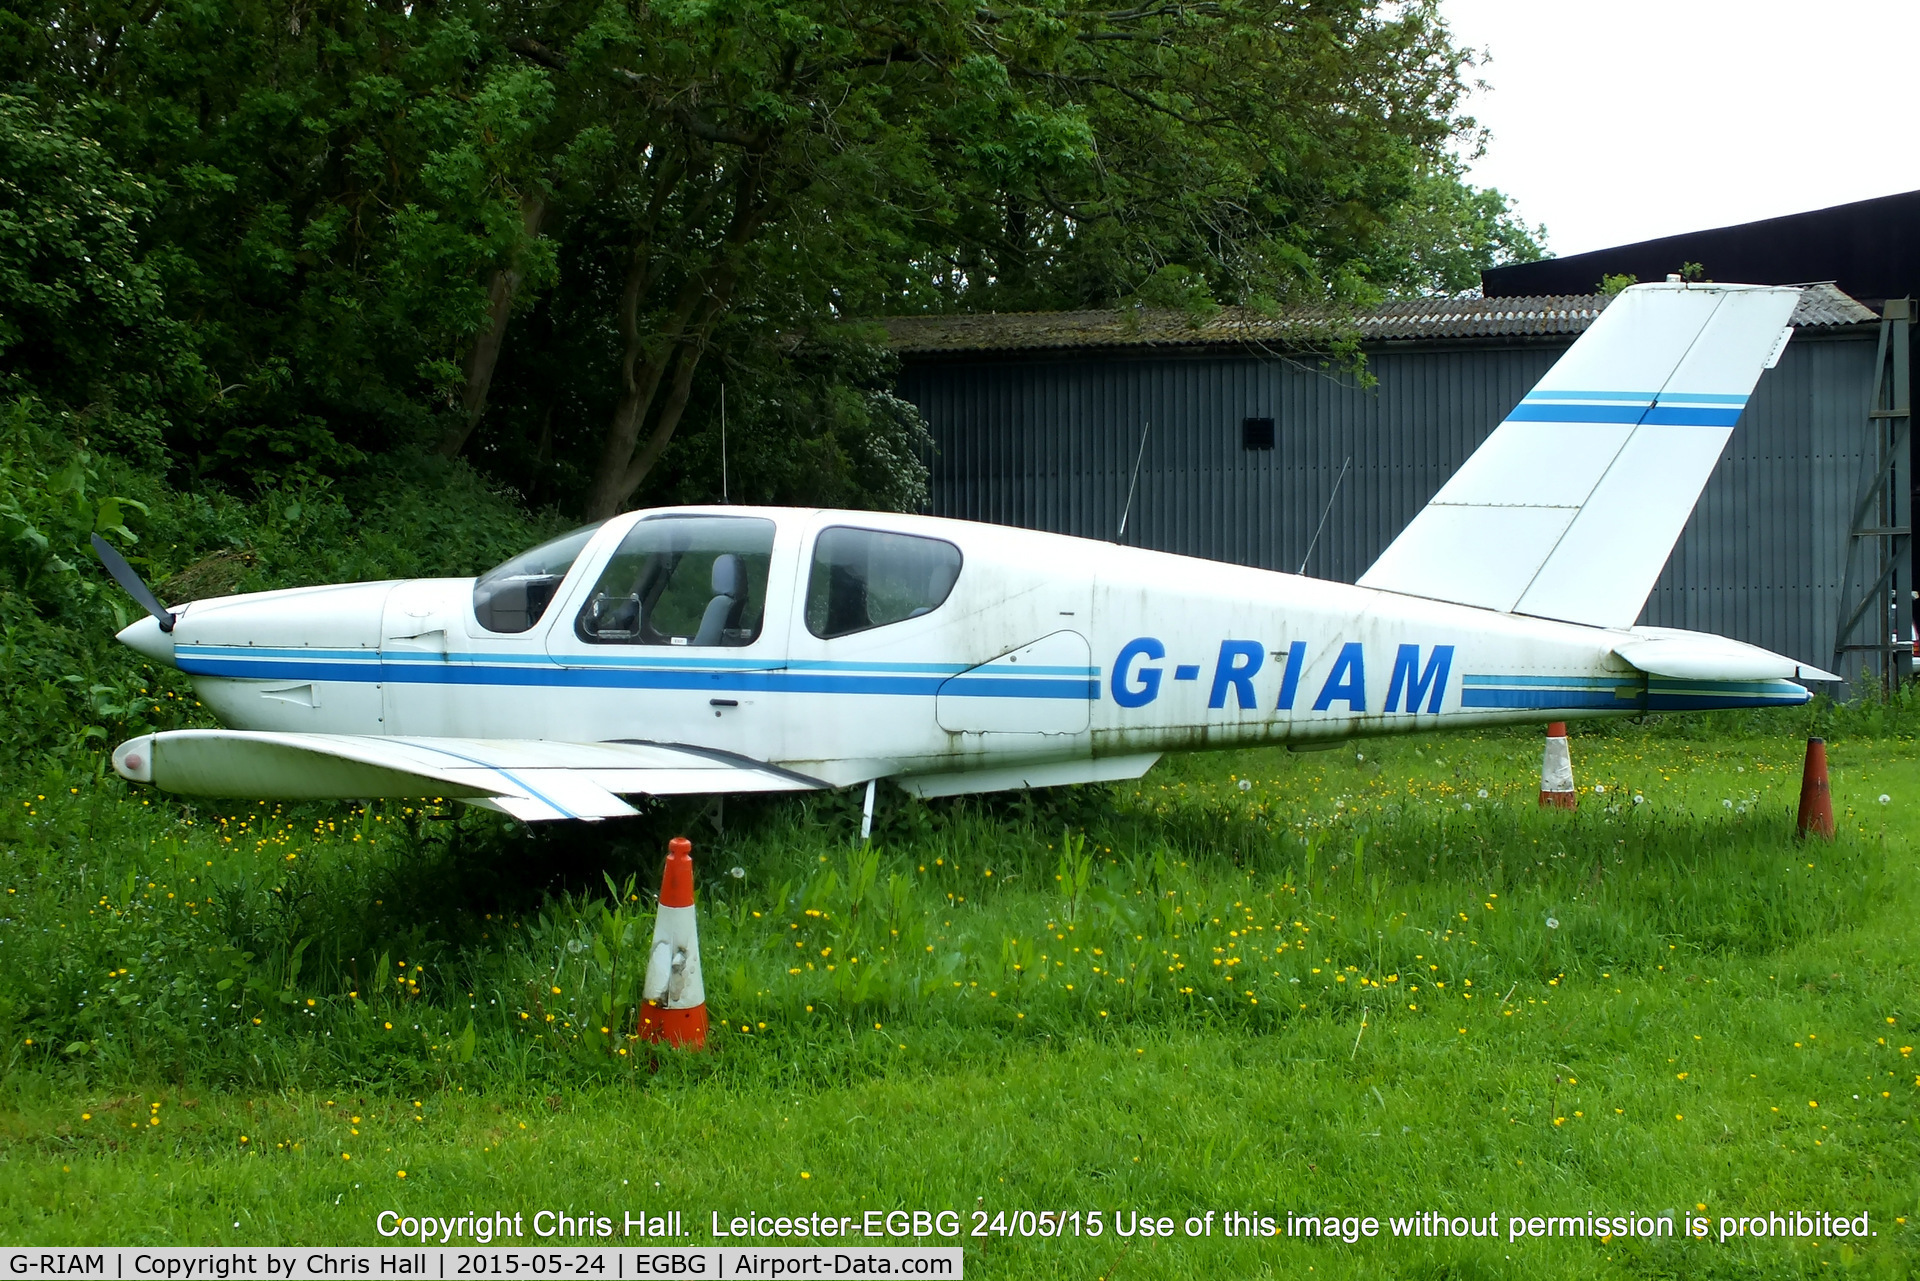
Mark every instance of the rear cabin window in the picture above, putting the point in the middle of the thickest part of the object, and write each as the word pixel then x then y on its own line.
pixel 865 578
pixel 513 596
pixel 683 580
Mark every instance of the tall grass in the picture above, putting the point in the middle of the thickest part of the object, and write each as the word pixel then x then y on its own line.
pixel 406 946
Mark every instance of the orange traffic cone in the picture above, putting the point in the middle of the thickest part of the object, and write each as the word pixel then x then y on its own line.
pixel 675 1011
pixel 1556 771
pixel 1816 798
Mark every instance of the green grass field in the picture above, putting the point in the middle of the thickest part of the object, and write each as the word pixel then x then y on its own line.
pixel 1373 981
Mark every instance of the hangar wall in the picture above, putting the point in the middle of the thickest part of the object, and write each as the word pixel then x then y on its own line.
pixel 1047 440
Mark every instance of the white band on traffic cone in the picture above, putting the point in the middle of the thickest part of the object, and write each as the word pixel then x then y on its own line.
pixel 1556 770
pixel 673 971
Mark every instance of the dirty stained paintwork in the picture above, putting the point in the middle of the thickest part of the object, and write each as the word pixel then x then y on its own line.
pixel 1058 659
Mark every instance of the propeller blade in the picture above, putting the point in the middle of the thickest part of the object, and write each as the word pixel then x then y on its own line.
pixel 130 580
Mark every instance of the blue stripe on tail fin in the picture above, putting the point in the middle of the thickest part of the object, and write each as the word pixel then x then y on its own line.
pixel 1571 507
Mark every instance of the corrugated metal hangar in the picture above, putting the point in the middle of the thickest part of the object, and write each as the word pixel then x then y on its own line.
pixel 1252 441
pixel 1868 249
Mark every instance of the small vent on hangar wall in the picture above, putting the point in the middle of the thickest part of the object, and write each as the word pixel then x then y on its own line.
pixel 1256 433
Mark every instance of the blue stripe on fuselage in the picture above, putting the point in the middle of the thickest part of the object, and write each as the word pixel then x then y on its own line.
pixel 1594 681
pixel 1077 683
pixel 612 657
pixel 673 672
pixel 1602 700
pixel 1600 693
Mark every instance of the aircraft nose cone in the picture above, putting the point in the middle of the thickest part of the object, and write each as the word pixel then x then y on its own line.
pixel 145 637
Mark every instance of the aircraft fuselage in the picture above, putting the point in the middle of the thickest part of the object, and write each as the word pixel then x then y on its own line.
pixel 1048 659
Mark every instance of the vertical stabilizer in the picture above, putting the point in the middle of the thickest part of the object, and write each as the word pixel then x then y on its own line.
pixel 1571 508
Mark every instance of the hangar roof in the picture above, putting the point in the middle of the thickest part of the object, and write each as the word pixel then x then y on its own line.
pixel 1821 305
pixel 1867 247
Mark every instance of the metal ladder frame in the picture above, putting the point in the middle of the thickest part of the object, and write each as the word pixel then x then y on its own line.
pixel 1876 597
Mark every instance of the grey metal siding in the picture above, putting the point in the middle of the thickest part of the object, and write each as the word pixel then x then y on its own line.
pixel 1762 558
pixel 1048 442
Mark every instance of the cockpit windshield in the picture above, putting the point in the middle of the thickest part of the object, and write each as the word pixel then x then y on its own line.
pixel 513 596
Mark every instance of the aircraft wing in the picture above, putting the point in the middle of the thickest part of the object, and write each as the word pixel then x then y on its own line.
pixel 531 779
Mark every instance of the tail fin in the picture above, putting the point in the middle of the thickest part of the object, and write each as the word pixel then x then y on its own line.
pixel 1571 508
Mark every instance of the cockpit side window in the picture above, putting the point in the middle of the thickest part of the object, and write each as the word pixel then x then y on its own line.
pixel 513 596
pixel 683 580
pixel 865 578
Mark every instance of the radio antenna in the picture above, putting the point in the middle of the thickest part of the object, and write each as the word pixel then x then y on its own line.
pixel 723 445
pixel 1323 515
pixel 1128 509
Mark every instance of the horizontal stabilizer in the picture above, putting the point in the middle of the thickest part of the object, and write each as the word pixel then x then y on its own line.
pixel 1571 507
pixel 1697 656
pixel 533 780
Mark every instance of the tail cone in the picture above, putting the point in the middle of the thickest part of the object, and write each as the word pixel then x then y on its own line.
pixel 1816 798
pixel 1556 771
pixel 675 1009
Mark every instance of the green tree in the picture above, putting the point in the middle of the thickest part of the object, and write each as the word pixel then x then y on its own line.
pixel 83 317
pixel 522 232
pixel 334 186
pixel 1446 233
pixel 811 161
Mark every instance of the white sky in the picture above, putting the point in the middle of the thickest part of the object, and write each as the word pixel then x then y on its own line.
pixel 1621 120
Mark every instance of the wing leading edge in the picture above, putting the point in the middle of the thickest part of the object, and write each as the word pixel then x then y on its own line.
pixel 532 780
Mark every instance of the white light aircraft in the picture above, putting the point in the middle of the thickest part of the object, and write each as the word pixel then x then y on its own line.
pixel 713 650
